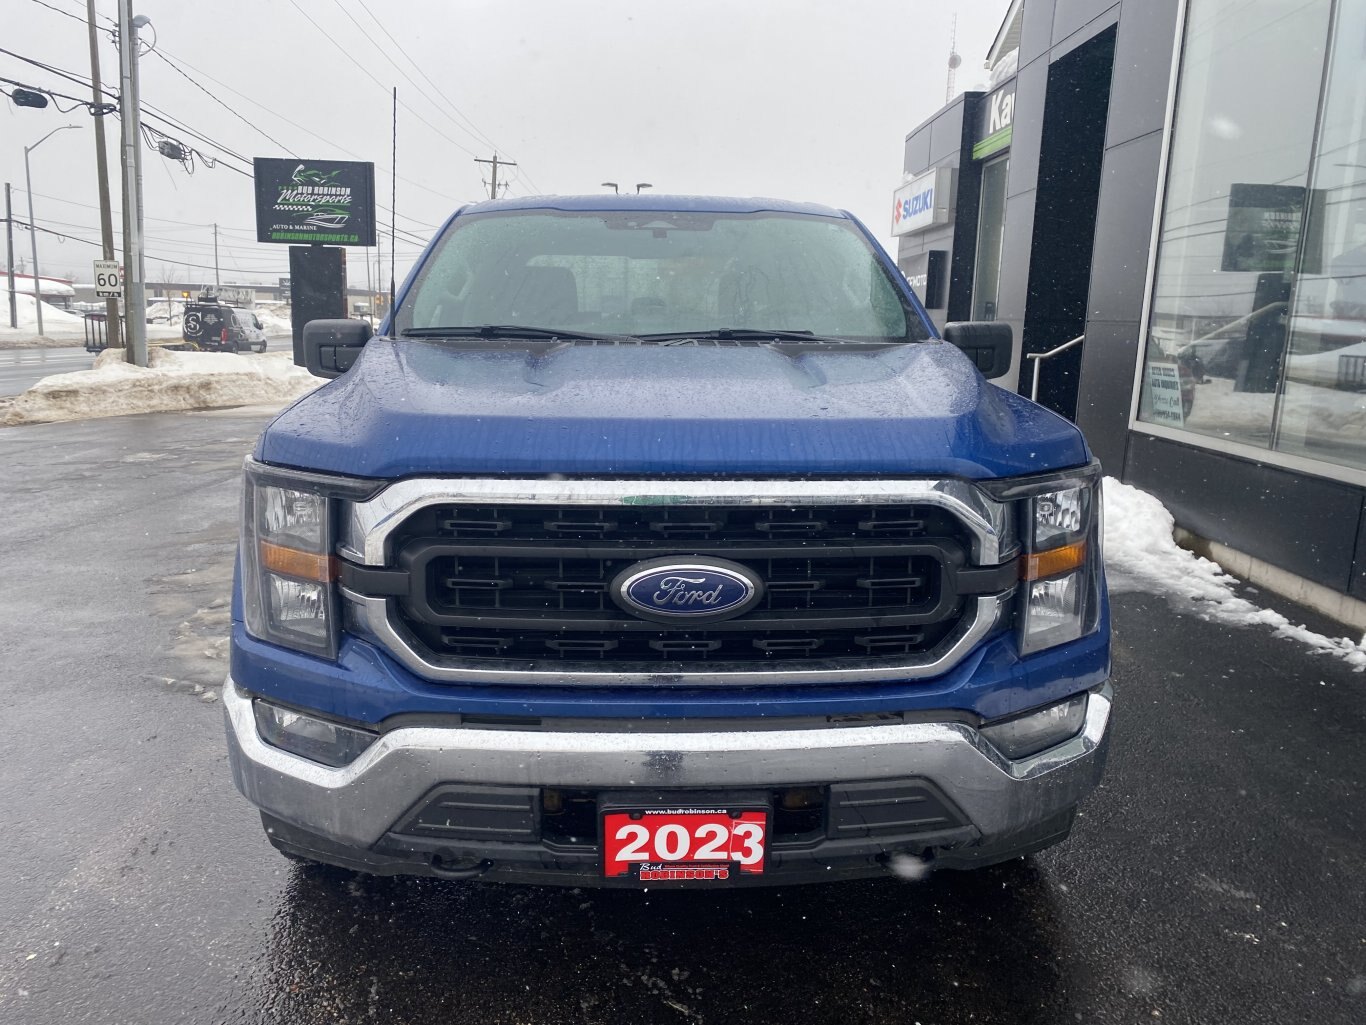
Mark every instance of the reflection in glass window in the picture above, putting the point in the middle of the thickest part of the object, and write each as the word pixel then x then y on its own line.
pixel 1323 409
pixel 1233 215
pixel 990 231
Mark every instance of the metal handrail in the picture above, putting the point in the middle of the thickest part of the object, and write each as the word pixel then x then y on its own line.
pixel 1039 357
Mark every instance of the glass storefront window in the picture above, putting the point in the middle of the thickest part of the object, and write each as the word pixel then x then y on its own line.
pixel 991 223
pixel 1236 207
pixel 1323 405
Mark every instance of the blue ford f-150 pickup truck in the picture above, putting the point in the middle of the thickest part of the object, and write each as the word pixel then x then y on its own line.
pixel 660 540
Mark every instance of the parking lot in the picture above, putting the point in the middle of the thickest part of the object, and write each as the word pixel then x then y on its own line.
pixel 1215 877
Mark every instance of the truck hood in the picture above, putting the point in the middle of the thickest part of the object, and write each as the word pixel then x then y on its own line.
pixel 423 407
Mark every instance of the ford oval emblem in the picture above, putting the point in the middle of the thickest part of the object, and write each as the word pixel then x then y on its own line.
pixel 692 590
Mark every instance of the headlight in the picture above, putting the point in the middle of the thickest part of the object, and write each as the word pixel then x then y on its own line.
pixel 288 569
pixel 1060 570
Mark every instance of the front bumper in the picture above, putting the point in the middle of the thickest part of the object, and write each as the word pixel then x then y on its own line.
pixel 348 815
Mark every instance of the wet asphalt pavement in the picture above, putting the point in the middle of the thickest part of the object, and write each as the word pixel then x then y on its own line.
pixel 1218 876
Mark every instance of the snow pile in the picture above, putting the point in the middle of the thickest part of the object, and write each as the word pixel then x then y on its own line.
pixel 55 319
pixel 173 381
pixel 168 311
pixel 275 321
pixel 1141 555
pixel 59 325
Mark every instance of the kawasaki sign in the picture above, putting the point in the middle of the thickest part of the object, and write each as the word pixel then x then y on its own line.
pixel 923 201
pixel 328 202
pixel 995 122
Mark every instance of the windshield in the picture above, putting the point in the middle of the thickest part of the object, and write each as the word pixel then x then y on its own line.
pixel 647 273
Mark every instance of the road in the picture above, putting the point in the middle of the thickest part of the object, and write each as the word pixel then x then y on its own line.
pixel 1215 878
pixel 20 368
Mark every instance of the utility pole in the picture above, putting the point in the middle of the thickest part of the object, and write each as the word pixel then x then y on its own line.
pixel 216 283
pixel 9 258
pixel 496 163
pixel 135 292
pixel 111 306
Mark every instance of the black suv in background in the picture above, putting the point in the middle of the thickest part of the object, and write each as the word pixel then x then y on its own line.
pixel 214 326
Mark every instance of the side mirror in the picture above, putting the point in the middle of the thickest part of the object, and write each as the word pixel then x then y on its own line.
pixel 988 344
pixel 332 346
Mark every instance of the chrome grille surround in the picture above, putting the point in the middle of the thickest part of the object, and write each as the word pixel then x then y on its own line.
pixel 367 529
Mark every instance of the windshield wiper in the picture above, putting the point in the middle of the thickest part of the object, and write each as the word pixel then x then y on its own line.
pixel 732 334
pixel 498 331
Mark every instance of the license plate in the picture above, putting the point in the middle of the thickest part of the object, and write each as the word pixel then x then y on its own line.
pixel 681 845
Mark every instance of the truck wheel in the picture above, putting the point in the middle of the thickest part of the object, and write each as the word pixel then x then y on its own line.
pixel 229 346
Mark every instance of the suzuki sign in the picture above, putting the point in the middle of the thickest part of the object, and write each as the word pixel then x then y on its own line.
pixel 923 202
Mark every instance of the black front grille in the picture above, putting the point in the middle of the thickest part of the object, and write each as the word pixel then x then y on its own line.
pixel 498 584
pixel 821 584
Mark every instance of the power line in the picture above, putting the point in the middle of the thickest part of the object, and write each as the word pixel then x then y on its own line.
pixel 149 111
pixel 420 90
pixel 56 71
pixel 260 131
pixel 58 10
pixel 405 236
pixel 366 71
pixel 93 109
pixel 307 131
pixel 157 114
pixel 150 256
pixel 474 130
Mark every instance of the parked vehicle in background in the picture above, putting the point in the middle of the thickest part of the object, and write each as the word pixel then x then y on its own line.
pixel 214 326
pixel 661 541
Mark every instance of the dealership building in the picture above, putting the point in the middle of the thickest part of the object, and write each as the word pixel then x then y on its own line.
pixel 1178 189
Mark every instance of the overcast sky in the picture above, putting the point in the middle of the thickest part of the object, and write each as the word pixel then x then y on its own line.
pixel 800 99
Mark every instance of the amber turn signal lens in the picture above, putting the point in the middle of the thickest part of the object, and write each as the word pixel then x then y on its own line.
pixel 293 563
pixel 1054 561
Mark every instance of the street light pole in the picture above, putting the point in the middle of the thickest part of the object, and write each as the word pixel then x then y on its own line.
pixel 135 292
pixel 33 225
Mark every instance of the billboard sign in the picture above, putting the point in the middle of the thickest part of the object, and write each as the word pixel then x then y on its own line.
pixel 923 202
pixel 324 202
pixel 1262 232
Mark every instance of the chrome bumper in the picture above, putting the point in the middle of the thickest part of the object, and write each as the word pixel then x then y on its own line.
pixel 356 805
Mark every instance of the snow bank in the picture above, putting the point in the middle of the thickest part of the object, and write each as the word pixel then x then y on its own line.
pixel 275 322
pixel 59 326
pixel 54 317
pixel 1141 555
pixel 174 381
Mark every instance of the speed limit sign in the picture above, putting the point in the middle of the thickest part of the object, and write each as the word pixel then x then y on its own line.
pixel 108 279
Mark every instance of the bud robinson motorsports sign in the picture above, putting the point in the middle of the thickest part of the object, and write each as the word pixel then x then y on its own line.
pixel 329 202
